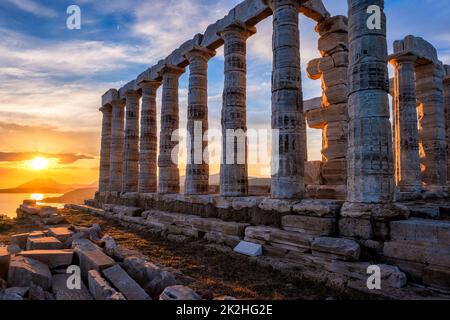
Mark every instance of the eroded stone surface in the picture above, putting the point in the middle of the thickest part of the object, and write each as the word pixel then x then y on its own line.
pixel 23 272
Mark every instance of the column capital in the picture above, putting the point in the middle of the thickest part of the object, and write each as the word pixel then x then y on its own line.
pixel 154 84
pixel 171 69
pixel 199 51
pixel 237 26
pixel 397 59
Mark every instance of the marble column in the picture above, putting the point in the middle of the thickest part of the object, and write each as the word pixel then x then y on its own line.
pixel 105 148
pixel 131 145
pixel 446 84
pixel 406 133
pixel 197 168
pixel 432 134
pixel 117 141
pixel 370 155
pixel 149 139
pixel 234 166
pixel 169 175
pixel 288 123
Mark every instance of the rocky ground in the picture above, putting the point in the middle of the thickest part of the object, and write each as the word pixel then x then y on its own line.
pixel 211 272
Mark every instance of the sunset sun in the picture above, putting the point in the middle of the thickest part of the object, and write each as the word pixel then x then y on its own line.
pixel 39 163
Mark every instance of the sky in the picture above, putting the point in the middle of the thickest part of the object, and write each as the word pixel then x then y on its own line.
pixel 52 78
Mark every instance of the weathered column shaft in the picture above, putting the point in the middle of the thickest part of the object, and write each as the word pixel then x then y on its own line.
pixel 197 168
pixel 169 176
pixel 149 139
pixel 288 122
pixel 234 166
pixel 447 110
pixel 432 134
pixel 131 146
pixel 406 134
pixel 117 141
pixel 370 159
pixel 105 149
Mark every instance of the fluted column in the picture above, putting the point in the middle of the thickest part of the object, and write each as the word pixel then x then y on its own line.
pixel 406 133
pixel 197 168
pixel 169 176
pixel 131 146
pixel 370 159
pixel 234 166
pixel 117 140
pixel 288 122
pixel 149 139
pixel 446 84
pixel 105 148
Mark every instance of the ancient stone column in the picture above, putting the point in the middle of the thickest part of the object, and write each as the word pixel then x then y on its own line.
pixel 446 84
pixel 105 148
pixel 432 133
pixel 169 176
pixel 117 141
pixel 288 122
pixel 234 166
pixel 131 146
pixel 197 168
pixel 406 134
pixel 370 159
pixel 149 139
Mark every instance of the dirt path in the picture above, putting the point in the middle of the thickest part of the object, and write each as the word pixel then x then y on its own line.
pixel 209 272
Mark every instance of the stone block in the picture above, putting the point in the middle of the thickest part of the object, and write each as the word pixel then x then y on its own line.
pixel 100 288
pixel 91 257
pixel 437 277
pixel 291 239
pixel 221 238
pixel 312 104
pixel 335 95
pixel 44 243
pixel 259 233
pixel 313 172
pixel 19 240
pixel 63 293
pixel 312 69
pixel 217 225
pixel 355 228
pixel 151 277
pixel 333 42
pixel 318 208
pixel 278 205
pixel 20 291
pixel 421 230
pixel 179 293
pixel 312 225
pixel 334 77
pixel 23 272
pixel 331 25
pixel 248 249
pixel 60 233
pixel 344 249
pixel 5 258
pixel 53 258
pixel 126 285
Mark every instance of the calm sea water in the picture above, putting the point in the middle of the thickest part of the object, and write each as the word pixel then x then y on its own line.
pixel 9 202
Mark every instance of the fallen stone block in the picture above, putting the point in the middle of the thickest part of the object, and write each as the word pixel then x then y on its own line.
pixel 110 247
pixel 20 240
pixel 100 288
pixel 14 249
pixel 311 225
pixel 337 247
pixel 21 291
pixel 221 238
pixel 126 285
pixel 62 292
pixel 53 258
pixel 179 293
pixel 217 225
pixel 5 258
pixel 91 257
pixel 23 272
pixel 5 296
pixel 421 230
pixel 29 202
pixel 437 277
pixel 60 233
pixel 53 220
pixel 38 293
pixel 47 211
pixel 248 249
pixel 152 278
pixel 45 243
pixel 127 211
pixel 29 209
pixel 355 228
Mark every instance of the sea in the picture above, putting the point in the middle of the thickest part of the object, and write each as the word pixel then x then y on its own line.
pixel 9 202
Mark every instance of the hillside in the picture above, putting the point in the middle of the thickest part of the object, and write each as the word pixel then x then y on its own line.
pixel 46 185
pixel 76 196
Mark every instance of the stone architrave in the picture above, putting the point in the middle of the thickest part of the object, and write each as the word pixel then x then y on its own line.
pixel 169 176
pixel 234 166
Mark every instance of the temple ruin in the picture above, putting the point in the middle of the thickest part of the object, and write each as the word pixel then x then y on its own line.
pixel 381 189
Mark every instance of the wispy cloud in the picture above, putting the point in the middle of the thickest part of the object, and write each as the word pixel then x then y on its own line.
pixel 34 8
pixel 64 158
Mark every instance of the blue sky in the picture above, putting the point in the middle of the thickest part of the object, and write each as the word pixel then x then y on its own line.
pixel 52 78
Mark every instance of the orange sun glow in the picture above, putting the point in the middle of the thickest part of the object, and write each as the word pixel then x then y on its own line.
pixel 39 163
